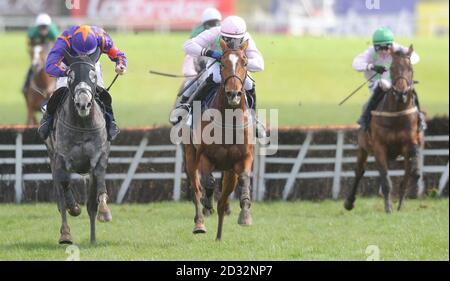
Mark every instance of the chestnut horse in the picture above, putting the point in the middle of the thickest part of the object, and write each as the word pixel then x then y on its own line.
pixel 393 132
pixel 41 86
pixel 233 157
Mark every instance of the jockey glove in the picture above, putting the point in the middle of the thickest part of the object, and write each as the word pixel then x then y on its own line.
pixel 214 54
pixel 379 69
pixel 120 69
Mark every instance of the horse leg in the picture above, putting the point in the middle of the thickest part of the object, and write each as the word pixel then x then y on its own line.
pixel 30 112
pixel 218 192
pixel 191 171
pixel 99 184
pixel 229 181
pixel 92 207
pixel 61 179
pixel 207 182
pixel 71 204
pixel 359 172
pixel 244 187
pixel 385 180
pixel 412 175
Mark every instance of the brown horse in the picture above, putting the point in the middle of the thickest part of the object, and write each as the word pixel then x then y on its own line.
pixel 233 157
pixel 393 132
pixel 41 86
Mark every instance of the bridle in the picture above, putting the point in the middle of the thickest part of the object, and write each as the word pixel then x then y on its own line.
pixel 82 85
pixel 224 82
pixel 409 88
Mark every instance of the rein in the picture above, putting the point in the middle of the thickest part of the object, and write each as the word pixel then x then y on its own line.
pixel 396 113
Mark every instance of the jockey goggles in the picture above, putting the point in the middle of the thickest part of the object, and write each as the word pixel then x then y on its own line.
pixel 233 43
pixel 382 47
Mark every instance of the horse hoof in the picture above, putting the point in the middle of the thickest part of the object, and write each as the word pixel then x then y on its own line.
pixel 199 229
pixel 349 205
pixel 207 212
pixel 388 210
pixel 245 219
pixel 65 239
pixel 104 216
pixel 75 211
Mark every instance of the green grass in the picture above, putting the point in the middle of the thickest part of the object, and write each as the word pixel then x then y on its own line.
pixel 281 231
pixel 305 78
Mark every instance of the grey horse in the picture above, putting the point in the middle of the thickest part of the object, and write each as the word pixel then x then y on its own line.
pixel 78 144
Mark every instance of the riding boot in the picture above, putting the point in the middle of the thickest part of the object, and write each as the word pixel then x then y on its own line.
pixel 364 120
pixel 111 127
pixel 53 103
pixel 180 111
pixel 422 123
pixel 45 125
pixel 260 128
pixel 27 81
pixel 183 108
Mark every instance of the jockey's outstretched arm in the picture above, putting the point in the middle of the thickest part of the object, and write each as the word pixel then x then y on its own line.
pixel 54 65
pixel 107 47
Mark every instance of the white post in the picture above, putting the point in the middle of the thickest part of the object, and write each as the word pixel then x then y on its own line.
pixel 178 173
pixel 338 165
pixel 261 180
pixel 297 165
pixel 421 185
pixel 255 171
pixel 133 166
pixel 18 172
pixel 443 180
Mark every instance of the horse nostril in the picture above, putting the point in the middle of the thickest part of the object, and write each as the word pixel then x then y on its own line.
pixel 77 104
pixel 89 104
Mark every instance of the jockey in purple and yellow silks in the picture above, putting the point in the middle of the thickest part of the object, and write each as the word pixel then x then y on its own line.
pixel 81 40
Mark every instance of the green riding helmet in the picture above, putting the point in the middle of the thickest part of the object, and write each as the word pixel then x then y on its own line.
pixel 383 36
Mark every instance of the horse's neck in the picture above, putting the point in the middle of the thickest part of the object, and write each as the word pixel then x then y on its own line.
pixel 94 120
pixel 390 103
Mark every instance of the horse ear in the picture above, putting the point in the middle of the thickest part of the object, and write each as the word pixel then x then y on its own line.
pixel 95 55
pixel 223 45
pixel 244 45
pixel 68 57
pixel 410 50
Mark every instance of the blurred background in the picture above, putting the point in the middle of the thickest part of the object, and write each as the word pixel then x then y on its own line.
pixel 308 46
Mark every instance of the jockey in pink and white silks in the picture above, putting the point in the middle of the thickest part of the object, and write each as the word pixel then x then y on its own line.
pixel 377 60
pixel 234 32
pixel 81 40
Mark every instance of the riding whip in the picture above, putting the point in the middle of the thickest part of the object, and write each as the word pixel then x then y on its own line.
pixel 112 83
pixel 171 75
pixel 357 89
pixel 195 79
